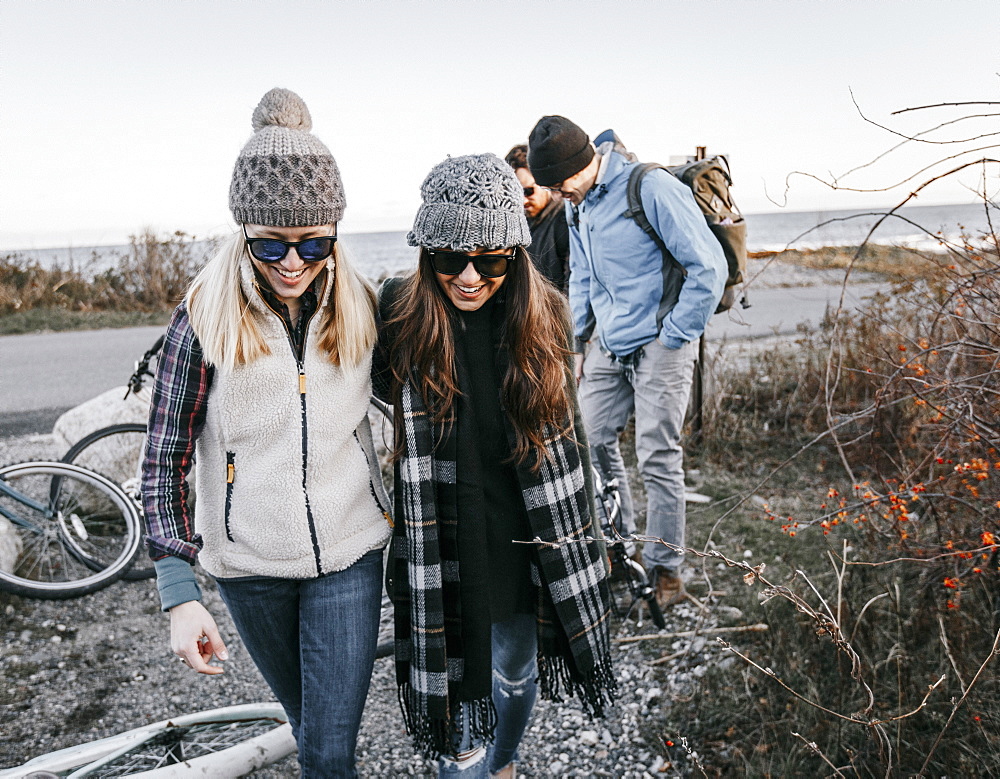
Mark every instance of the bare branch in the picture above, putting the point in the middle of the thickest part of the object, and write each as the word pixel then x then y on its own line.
pixel 812 747
pixel 943 105
pixel 758 628
pixel 958 705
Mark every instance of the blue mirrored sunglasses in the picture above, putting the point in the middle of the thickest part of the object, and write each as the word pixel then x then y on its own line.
pixel 274 250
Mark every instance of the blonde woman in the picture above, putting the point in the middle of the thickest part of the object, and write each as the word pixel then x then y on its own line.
pixel 264 381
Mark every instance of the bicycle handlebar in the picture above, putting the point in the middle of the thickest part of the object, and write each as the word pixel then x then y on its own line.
pixel 138 377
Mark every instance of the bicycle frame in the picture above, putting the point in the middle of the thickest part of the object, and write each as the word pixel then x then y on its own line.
pixel 10 492
pixel 635 577
pixel 85 759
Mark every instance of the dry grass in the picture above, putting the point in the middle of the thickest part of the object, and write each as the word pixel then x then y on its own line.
pixel 867 457
pixel 895 263
pixel 143 282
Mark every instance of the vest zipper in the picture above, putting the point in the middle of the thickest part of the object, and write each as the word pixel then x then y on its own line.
pixel 230 478
pixel 300 367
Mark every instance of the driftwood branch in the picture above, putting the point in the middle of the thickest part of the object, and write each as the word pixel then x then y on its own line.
pixel 758 628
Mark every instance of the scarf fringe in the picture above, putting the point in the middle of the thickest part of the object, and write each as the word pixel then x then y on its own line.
pixel 432 736
pixel 596 691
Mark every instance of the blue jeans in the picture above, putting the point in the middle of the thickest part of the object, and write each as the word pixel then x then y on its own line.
pixel 514 690
pixel 657 389
pixel 314 641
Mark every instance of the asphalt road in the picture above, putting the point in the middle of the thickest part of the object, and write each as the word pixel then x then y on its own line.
pixel 42 375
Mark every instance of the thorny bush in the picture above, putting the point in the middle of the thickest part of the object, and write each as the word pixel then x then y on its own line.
pixel 884 662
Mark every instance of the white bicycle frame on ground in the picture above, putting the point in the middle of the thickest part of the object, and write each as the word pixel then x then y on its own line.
pixel 86 760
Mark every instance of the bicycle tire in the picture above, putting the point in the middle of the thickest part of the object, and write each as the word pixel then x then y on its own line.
pixel 80 521
pixel 116 452
pixel 227 742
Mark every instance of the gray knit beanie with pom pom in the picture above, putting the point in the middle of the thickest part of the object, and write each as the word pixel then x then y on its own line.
pixel 285 176
pixel 469 202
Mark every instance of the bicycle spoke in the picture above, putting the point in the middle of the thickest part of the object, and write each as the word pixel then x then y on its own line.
pixel 116 452
pixel 183 744
pixel 77 531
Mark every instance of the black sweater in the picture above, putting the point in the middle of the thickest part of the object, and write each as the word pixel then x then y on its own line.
pixel 491 506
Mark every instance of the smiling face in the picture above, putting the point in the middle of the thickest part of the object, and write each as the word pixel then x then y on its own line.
pixel 576 187
pixel 534 203
pixel 289 277
pixel 469 290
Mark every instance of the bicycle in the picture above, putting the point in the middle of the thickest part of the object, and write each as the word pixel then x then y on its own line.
pixel 226 742
pixel 74 531
pixel 620 547
pixel 116 451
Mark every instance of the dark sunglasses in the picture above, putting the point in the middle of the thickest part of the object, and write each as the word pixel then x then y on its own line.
pixel 529 191
pixel 449 263
pixel 274 250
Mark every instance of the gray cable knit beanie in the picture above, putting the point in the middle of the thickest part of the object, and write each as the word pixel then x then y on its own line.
pixel 469 202
pixel 285 176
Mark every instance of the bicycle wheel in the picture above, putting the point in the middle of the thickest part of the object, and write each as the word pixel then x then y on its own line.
pixel 74 531
pixel 116 452
pixel 226 742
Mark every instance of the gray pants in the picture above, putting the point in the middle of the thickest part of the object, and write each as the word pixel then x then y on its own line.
pixel 657 389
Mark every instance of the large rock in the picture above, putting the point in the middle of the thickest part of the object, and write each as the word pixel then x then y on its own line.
pixel 117 457
pixel 10 545
pixel 109 408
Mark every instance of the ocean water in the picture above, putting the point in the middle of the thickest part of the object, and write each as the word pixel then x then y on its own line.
pixel 386 254
pixel 916 226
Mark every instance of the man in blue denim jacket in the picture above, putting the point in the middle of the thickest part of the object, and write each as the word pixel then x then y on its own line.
pixel 644 314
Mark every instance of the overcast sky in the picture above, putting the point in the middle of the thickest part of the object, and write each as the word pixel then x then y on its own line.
pixel 120 115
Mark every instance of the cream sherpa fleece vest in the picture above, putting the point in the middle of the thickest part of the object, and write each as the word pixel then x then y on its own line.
pixel 288 482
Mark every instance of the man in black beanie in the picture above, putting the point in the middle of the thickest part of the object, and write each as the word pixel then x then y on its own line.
pixel 547 221
pixel 645 312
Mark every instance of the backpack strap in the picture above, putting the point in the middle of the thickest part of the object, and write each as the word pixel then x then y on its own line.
pixel 636 212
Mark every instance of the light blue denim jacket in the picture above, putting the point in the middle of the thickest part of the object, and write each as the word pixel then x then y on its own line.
pixel 618 278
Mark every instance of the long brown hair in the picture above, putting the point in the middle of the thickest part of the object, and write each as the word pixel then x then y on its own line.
pixel 534 335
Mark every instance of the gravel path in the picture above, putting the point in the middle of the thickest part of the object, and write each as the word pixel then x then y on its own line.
pixel 72 671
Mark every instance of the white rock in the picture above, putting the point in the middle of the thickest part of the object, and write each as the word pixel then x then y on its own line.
pixel 556 768
pixel 10 546
pixel 588 737
pixel 108 408
pixel 729 613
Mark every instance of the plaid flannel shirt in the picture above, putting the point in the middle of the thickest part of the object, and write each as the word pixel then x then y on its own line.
pixel 176 419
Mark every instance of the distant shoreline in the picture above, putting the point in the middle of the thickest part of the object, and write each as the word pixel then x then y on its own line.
pixel 760 226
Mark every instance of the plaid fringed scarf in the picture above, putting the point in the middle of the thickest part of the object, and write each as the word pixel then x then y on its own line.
pixel 573 640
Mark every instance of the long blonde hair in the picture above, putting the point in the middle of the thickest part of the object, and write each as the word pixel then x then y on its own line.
pixel 229 331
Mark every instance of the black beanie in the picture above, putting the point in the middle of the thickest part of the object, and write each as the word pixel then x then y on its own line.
pixel 557 149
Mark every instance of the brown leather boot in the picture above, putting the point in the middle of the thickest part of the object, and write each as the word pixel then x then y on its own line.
pixel 668 587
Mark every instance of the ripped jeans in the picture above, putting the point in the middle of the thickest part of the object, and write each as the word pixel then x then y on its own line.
pixel 514 691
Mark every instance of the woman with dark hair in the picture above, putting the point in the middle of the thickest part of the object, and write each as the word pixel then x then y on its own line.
pixel 498 569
